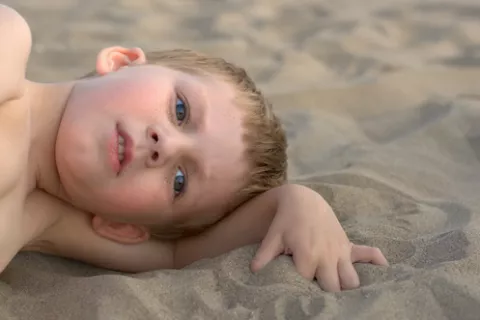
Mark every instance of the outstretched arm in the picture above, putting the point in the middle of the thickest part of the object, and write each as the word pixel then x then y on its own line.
pixel 290 219
pixel 248 224
pixel 20 223
pixel 67 232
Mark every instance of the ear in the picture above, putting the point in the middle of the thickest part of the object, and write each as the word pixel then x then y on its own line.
pixel 124 233
pixel 113 58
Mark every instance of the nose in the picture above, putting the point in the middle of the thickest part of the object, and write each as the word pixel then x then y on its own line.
pixel 165 145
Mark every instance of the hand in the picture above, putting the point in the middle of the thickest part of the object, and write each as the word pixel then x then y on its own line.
pixel 306 227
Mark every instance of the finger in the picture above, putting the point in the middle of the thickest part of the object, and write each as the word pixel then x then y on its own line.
pixel 348 275
pixel 269 249
pixel 327 277
pixel 305 262
pixel 368 254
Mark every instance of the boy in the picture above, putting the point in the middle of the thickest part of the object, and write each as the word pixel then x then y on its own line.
pixel 163 145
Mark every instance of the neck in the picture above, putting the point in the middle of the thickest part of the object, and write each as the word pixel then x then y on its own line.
pixel 47 103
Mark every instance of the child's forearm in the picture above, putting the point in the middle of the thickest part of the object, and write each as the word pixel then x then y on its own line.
pixel 71 236
pixel 39 214
pixel 12 238
pixel 246 225
pixel 8 248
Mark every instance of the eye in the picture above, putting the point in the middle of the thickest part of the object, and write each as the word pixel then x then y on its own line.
pixel 179 183
pixel 180 110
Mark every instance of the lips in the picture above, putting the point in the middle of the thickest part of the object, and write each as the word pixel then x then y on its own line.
pixel 125 149
pixel 120 150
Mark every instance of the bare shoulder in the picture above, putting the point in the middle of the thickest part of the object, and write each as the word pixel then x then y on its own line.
pixel 15 44
pixel 14 145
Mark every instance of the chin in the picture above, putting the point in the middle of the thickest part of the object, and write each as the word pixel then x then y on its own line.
pixel 73 178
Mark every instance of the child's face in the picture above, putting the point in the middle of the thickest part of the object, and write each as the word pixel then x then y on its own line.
pixel 151 145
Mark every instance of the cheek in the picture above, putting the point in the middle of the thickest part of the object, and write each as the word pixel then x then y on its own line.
pixel 142 98
pixel 137 197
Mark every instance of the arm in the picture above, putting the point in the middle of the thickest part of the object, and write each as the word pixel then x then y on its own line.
pixel 15 46
pixel 68 233
pixel 289 219
pixel 71 236
pixel 10 235
pixel 248 224
pixel 19 223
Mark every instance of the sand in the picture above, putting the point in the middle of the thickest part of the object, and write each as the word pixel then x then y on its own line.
pixel 381 102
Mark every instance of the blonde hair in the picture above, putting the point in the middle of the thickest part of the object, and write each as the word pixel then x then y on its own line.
pixel 263 135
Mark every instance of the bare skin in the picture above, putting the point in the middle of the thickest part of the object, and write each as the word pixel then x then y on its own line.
pixel 61 192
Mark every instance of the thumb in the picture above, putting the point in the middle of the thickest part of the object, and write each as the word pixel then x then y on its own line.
pixel 269 249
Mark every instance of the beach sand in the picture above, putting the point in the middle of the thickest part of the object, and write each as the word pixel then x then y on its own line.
pixel 381 103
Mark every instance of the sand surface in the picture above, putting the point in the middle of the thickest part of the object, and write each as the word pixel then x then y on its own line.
pixel 381 101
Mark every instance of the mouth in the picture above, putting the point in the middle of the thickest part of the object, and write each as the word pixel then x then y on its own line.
pixel 122 149
pixel 125 148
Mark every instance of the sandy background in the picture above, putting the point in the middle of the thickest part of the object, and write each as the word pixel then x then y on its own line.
pixel 380 100
pixel 286 45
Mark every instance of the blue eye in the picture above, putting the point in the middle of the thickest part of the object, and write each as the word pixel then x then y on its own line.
pixel 180 110
pixel 179 182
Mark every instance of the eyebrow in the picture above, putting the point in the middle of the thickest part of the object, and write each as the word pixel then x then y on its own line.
pixel 194 186
pixel 195 177
pixel 198 105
